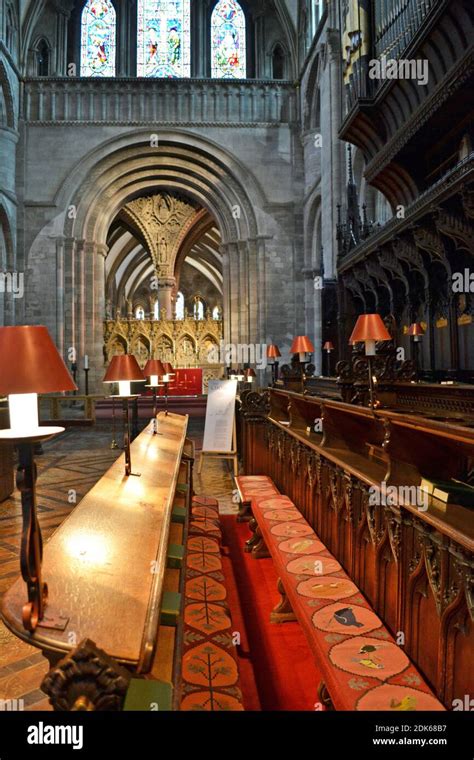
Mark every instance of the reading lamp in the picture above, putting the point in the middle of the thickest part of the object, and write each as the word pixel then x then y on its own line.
pixel 417 332
pixel 328 347
pixel 302 345
pixel 368 329
pixel 124 370
pixel 30 364
pixel 273 353
pixel 154 370
pixel 250 375
pixel 169 373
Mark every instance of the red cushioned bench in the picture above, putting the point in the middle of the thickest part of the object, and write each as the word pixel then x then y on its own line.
pixel 249 486
pixel 363 667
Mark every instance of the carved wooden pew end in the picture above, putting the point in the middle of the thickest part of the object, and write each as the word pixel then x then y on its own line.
pixel 87 679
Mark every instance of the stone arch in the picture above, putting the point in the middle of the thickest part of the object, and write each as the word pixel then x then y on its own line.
pixel 40 41
pixel 124 168
pixel 7 107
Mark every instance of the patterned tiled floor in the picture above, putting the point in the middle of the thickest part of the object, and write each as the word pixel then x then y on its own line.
pixel 74 461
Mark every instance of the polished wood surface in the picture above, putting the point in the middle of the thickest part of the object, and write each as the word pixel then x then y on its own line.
pixel 105 564
pixel 415 567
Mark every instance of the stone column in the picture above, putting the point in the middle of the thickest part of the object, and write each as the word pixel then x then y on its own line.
pixel 166 287
pixel 92 328
pixel 63 14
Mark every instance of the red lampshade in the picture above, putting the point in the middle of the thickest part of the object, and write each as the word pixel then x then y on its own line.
pixel 415 329
pixel 328 346
pixel 249 372
pixel 168 368
pixel 154 367
pixel 369 327
pixel 302 345
pixel 123 368
pixel 273 352
pixel 30 362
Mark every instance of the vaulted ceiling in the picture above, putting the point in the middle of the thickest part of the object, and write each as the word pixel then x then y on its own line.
pixel 130 266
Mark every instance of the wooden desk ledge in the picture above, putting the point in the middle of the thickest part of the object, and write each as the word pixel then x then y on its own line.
pixel 98 563
pixel 363 667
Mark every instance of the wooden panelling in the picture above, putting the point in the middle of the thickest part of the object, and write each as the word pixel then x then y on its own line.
pixel 415 567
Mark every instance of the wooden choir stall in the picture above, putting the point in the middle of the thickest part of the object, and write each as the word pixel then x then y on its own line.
pixel 345 479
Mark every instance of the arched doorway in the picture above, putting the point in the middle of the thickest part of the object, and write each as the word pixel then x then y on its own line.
pixel 180 165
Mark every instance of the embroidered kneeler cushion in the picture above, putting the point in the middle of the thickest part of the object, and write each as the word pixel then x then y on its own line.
pixel 364 668
pixel 209 668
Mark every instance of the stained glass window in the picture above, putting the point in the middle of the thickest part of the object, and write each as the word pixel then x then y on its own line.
pixel 98 39
pixel 164 38
pixel 228 41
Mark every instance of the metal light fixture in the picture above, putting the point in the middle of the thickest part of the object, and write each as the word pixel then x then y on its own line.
pixel 250 375
pixel 328 347
pixel 154 370
pixel 416 332
pixel 169 373
pixel 369 329
pixel 303 346
pixel 273 354
pixel 30 364
pixel 124 370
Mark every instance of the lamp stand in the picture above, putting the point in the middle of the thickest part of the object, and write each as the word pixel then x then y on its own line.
pixel 31 539
pixel 166 399
pixel 372 400
pixel 31 551
pixel 154 411
pixel 114 444
pixel 86 373
pixel 126 440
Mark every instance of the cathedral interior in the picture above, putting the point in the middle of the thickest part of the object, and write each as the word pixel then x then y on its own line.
pixel 237 347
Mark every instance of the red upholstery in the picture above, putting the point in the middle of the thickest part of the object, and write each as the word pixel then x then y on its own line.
pixel 209 667
pixel 364 669
pixel 250 486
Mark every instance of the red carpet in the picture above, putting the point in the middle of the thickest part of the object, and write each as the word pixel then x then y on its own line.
pixel 276 665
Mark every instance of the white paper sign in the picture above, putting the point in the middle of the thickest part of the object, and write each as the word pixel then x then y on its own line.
pixel 220 412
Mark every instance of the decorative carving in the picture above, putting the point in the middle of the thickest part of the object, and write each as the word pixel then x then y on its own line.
pixel 87 679
pixel 394 529
pixel 456 227
pixel 182 342
pixel 161 219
